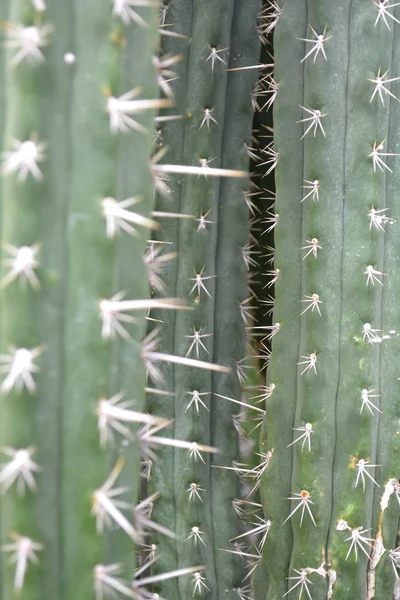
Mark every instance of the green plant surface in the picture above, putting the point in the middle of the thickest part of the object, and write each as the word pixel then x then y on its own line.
pixel 215 246
pixel 337 150
pixel 63 101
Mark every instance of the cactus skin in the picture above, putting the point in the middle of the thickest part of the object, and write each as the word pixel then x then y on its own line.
pixel 223 25
pixel 346 364
pixel 64 103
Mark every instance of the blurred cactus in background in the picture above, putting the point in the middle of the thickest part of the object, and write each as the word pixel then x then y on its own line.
pixel 199 332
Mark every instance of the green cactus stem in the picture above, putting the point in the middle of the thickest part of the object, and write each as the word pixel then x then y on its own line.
pixel 332 420
pixel 218 111
pixel 61 160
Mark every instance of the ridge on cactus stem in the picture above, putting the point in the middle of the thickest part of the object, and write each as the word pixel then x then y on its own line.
pixel 339 402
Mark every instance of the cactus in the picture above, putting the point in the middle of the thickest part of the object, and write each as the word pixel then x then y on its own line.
pixel 59 93
pixel 78 193
pixel 140 270
pixel 217 126
pixel 332 420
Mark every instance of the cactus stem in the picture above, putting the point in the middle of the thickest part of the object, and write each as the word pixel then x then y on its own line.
pixel 22 265
pixel 24 550
pixel 19 368
pixel 28 41
pixel 383 12
pixel 214 55
pixel 24 159
pixel 318 44
pixel 19 469
pixel 380 88
pixel 316 116
pixel 304 500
